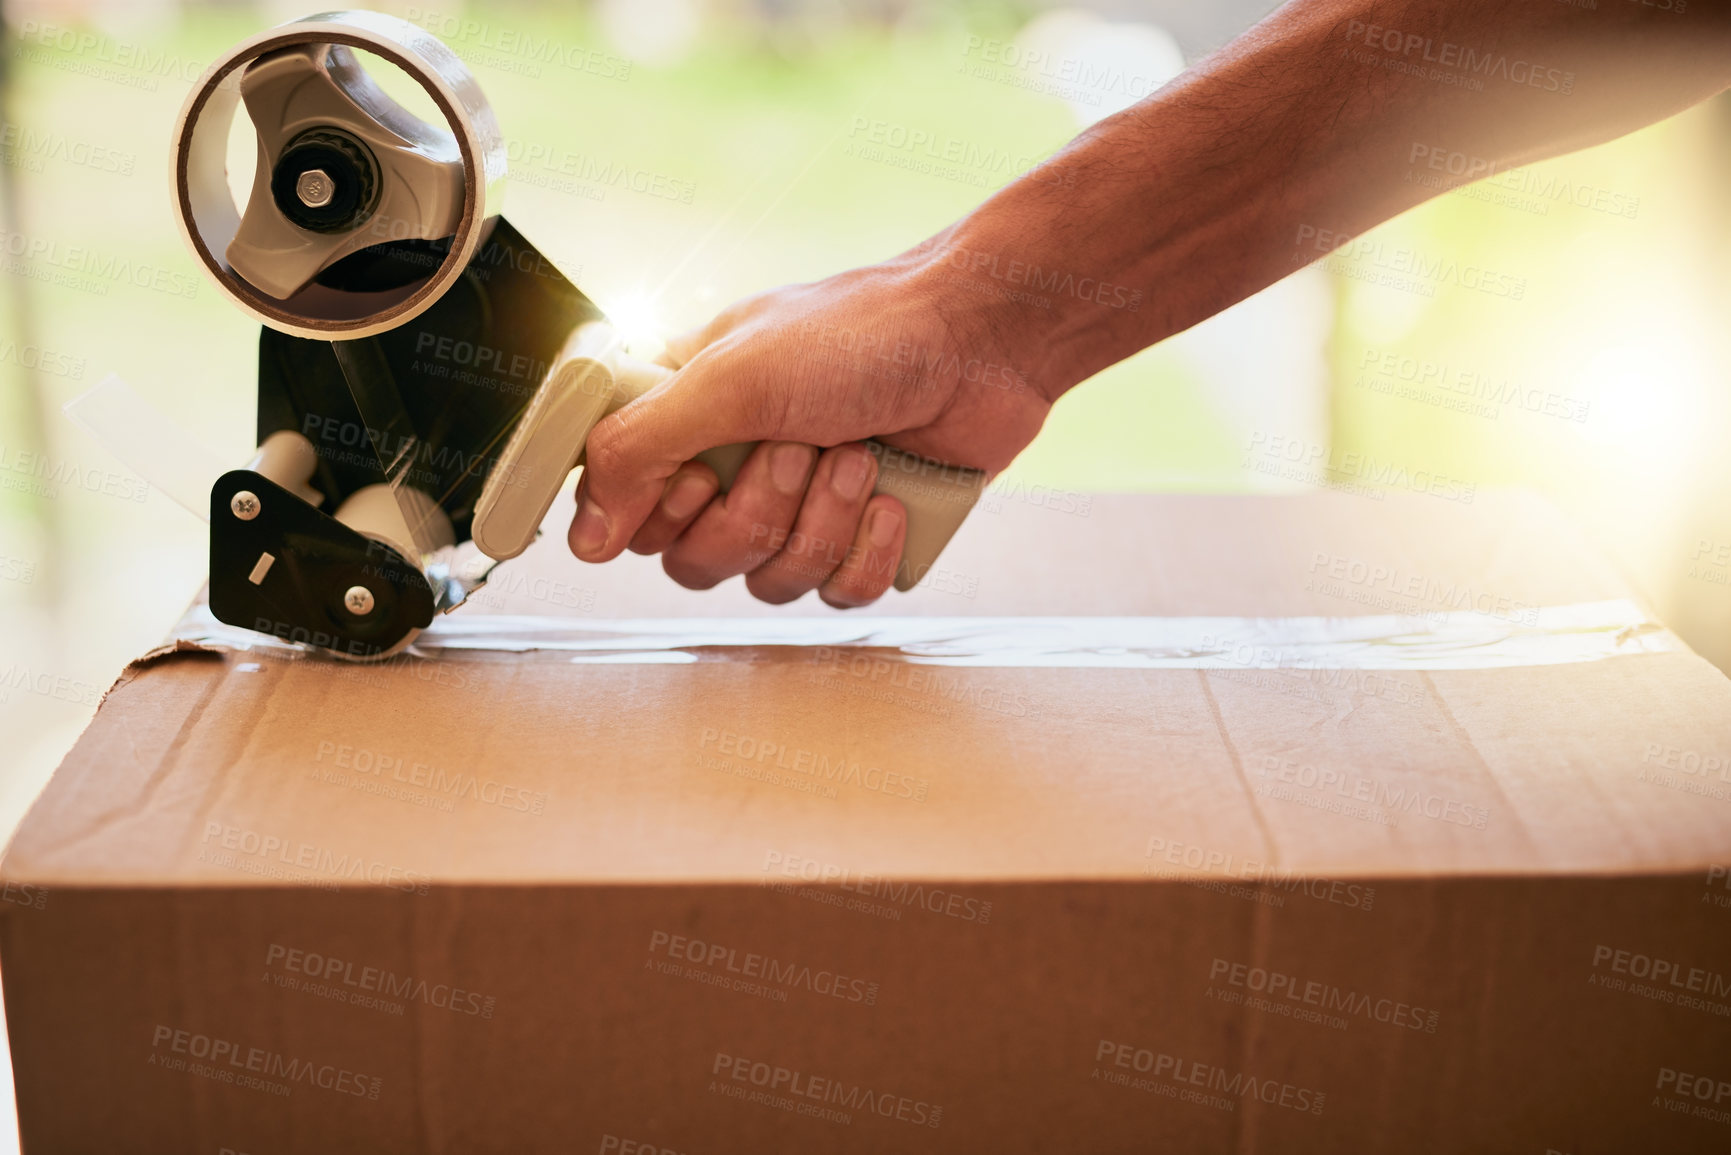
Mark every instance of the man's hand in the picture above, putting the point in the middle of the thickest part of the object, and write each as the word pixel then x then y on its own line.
pixel 895 351
pixel 1218 185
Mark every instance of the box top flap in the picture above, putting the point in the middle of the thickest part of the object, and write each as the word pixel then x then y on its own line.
pixel 766 759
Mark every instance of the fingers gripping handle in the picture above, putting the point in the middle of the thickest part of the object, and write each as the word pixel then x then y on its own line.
pixel 592 378
pixel 937 497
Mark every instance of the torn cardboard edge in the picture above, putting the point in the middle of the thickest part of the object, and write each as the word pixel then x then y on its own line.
pixel 174 648
pixel 1453 640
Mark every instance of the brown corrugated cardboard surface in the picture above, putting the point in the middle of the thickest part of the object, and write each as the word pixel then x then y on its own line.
pixel 1043 924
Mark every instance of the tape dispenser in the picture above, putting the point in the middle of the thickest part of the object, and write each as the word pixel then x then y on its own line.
pixel 427 377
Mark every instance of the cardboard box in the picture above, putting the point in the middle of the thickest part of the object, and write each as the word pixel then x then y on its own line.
pixel 1220 857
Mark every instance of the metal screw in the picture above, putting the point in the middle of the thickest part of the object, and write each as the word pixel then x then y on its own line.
pixel 315 188
pixel 244 505
pixel 359 600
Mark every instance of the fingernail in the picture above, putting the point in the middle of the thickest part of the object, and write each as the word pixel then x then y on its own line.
pixel 848 477
pixel 789 465
pixel 884 524
pixel 589 533
pixel 685 498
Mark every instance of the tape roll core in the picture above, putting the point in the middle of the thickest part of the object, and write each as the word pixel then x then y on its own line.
pixel 209 218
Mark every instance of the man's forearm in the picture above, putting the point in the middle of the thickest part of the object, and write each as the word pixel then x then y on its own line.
pixel 1305 127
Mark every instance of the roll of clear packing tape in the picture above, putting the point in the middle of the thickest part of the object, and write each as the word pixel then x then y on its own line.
pixel 209 218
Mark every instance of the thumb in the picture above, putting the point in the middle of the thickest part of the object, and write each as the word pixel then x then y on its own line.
pixel 630 454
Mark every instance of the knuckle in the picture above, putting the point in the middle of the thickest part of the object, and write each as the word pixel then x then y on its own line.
pixel 760 532
pixel 771 588
pixel 856 586
pixel 835 599
pixel 755 554
pixel 606 452
pixel 801 570
pixel 691 575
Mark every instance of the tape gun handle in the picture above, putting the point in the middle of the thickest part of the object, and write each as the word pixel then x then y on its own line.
pixel 937 497
pixel 547 443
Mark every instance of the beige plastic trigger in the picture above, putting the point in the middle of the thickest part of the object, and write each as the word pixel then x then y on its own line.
pixel 548 442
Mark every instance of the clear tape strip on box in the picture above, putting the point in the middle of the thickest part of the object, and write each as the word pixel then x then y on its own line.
pixel 1454 640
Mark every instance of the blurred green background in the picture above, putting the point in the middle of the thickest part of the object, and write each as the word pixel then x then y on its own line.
pixel 745 112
